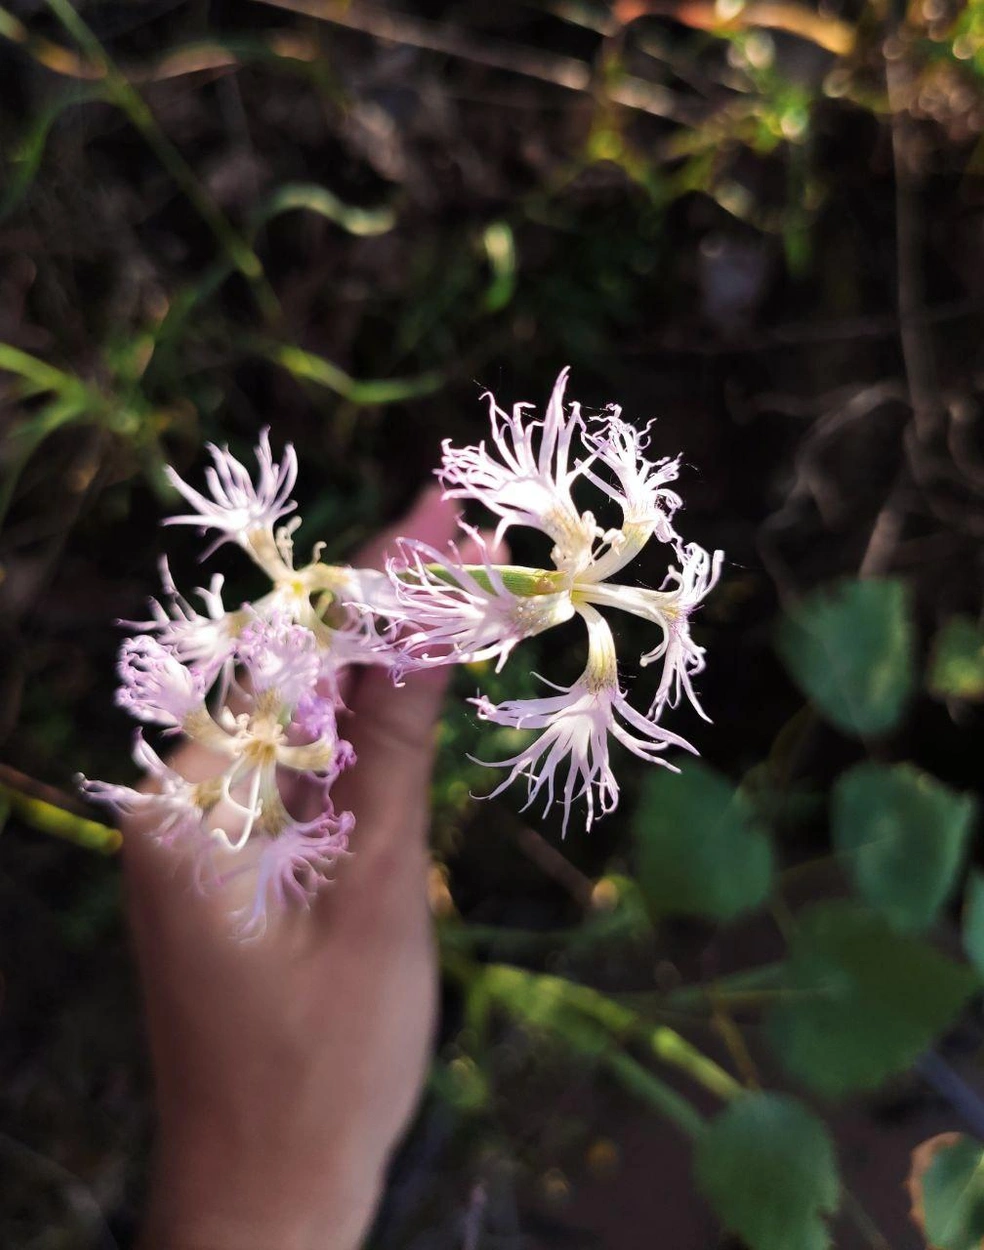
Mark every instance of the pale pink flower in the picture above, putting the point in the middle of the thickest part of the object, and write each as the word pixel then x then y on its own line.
pixel 293 865
pixel 454 614
pixel 156 687
pixel 528 480
pixel 175 812
pixel 237 506
pixel 314 716
pixel 206 640
pixel 282 658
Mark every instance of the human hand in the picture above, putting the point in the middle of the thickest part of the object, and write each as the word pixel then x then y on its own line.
pixel 287 1068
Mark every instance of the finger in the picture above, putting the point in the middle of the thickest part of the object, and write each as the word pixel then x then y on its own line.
pixel 392 727
pixel 432 519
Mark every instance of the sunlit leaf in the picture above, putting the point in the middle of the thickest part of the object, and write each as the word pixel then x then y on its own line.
pixel 318 199
pixel 861 1002
pixel 768 1168
pixel 956 670
pixel 952 1192
pixel 309 367
pixel 850 649
pixel 903 836
pixel 500 248
pixel 700 850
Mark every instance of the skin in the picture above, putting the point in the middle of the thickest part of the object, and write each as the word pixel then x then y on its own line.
pixel 288 1068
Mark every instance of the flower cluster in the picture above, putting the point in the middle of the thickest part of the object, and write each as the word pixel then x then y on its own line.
pixel 527 477
pixel 259 685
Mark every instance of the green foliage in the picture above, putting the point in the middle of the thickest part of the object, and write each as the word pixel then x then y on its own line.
pixel 860 1001
pixel 956 670
pixel 700 849
pixel 317 199
pixel 903 837
pixel 768 1167
pixel 973 921
pixel 953 1196
pixel 850 651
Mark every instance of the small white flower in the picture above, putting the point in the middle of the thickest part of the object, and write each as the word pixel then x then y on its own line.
pixel 238 509
pixel 570 758
pixel 530 482
pixel 205 640
pixel 178 807
pixel 459 614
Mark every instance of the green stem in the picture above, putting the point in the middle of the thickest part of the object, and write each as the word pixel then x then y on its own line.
pixel 516 578
pixel 637 1080
pixel 58 823
pixel 309 367
pixel 572 1010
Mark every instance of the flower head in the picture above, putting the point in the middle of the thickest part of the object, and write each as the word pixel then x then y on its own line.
pixel 458 613
pixel 570 759
pixel 292 867
pixel 281 658
pixel 235 506
pixel 529 481
pixel 155 686
pixel 291 646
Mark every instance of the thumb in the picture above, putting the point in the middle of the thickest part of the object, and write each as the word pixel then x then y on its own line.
pixel 392 727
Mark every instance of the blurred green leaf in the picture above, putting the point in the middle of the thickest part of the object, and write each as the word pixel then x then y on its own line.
pixel 26 156
pixel 861 1002
pixel 317 199
pixel 904 836
pixel 768 1168
pixel 500 249
pixel 850 650
pixel 953 1196
pixel 309 367
pixel 700 850
pixel 973 921
pixel 956 670
pixel 462 1083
